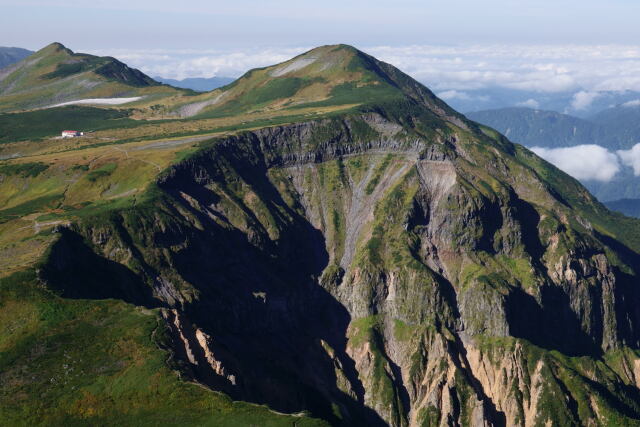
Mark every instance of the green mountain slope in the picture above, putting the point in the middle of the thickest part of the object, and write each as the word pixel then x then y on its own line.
pixel 382 262
pixel 55 75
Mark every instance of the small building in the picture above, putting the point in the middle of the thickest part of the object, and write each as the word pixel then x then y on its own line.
pixel 71 133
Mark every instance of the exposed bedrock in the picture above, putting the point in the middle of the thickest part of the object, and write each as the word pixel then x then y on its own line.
pixel 373 276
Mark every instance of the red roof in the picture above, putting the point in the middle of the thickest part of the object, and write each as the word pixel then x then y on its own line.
pixel 69 131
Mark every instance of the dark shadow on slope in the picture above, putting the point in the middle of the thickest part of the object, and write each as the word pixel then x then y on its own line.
pixel 74 270
pixel 551 325
pixel 261 302
pixel 626 292
pixel 491 217
pixel 626 254
pixel 627 307
pixel 181 354
pixel 529 219
pixel 630 407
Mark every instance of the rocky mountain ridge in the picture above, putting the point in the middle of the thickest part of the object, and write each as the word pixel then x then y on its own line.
pixel 388 262
pixel 395 278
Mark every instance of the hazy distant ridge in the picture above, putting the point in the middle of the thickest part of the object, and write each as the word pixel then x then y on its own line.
pixel 200 84
pixel 11 55
pixel 614 128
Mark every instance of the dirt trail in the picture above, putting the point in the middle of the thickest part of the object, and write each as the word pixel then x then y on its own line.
pixel 171 142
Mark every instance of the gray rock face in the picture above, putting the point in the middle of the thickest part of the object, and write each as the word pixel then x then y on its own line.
pixel 374 275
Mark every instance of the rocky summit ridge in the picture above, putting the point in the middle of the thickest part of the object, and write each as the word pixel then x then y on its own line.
pixel 392 263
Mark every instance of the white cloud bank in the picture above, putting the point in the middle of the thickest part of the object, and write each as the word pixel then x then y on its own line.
pixel 588 162
pixel 591 162
pixel 582 100
pixel 631 158
pixel 531 103
pixel 185 63
pixel 634 103
pixel 542 68
pixel 456 94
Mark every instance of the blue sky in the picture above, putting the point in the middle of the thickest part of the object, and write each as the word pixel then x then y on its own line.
pixel 202 24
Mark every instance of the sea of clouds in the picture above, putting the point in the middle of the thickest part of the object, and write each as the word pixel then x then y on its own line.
pixel 590 162
pixel 545 68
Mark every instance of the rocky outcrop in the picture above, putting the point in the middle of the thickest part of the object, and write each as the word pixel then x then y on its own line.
pixel 373 274
pixel 197 348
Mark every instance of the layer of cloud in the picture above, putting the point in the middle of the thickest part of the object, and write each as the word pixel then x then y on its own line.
pixel 583 99
pixel 631 158
pixel 456 94
pixel 591 162
pixel 531 103
pixel 588 162
pixel 634 103
pixel 541 68
pixel 185 63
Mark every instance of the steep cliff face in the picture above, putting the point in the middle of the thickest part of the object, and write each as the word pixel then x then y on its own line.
pixel 376 268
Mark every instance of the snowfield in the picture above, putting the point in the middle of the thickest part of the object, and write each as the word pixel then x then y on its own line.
pixel 99 101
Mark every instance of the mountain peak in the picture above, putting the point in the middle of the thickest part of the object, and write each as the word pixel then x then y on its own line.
pixel 52 48
pixel 332 76
pixel 56 74
pixel 320 61
pixel 56 45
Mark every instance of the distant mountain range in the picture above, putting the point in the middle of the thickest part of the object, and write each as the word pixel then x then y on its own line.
pixel 613 128
pixel 199 84
pixel 578 103
pixel 623 121
pixel 630 207
pixel 11 55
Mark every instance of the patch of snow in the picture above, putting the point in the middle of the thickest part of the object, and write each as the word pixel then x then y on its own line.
pixel 98 101
pixel 293 66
